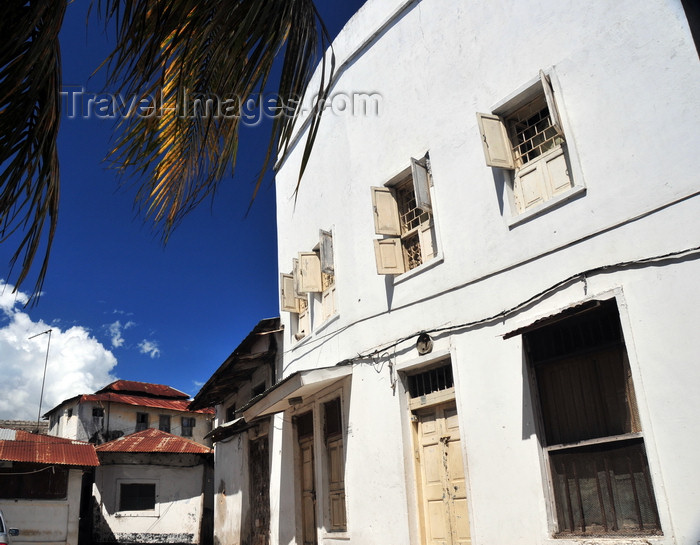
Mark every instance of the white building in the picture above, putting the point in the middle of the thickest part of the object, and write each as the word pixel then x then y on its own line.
pixel 242 450
pixel 489 291
pixel 41 478
pixel 153 487
pixel 124 407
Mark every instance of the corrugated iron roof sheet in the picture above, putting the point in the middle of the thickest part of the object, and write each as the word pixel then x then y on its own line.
pixel 143 388
pixel 45 449
pixel 128 399
pixel 153 440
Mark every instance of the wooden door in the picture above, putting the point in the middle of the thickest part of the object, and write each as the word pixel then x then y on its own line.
pixel 308 491
pixel 259 491
pixel 445 517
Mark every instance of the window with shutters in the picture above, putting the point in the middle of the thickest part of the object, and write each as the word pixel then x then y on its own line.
pixel 403 214
pixel 592 437
pixel 141 421
pixel 308 292
pixel 526 139
pixel 164 423
pixel 188 423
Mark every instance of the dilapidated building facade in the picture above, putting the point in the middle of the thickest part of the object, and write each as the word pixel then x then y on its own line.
pixel 242 450
pixel 41 479
pixel 153 487
pixel 124 407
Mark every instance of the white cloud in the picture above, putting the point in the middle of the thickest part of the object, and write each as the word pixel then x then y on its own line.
pixel 115 331
pixel 77 362
pixel 150 348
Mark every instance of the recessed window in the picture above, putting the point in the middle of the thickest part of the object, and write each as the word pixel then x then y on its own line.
pixel 141 421
pixel 592 435
pixel 403 213
pixel 528 141
pixel 98 418
pixel 164 423
pixel 188 423
pixel 137 496
pixel 231 412
pixel 308 292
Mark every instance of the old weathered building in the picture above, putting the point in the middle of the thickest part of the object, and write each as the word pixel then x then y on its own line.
pixel 153 487
pixel 124 407
pixel 40 485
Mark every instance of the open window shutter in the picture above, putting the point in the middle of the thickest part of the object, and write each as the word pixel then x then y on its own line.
pixel 386 211
pixel 494 138
pixel 288 297
pixel 389 255
pixel 326 252
pixel 297 277
pixel 551 103
pixel 309 272
pixel 426 235
pixel 421 184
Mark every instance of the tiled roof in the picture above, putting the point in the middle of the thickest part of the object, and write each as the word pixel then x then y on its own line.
pixel 153 440
pixel 21 446
pixel 143 388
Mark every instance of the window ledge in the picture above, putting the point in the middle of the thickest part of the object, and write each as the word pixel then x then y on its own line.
pixel 596 441
pixel 424 267
pixel 545 206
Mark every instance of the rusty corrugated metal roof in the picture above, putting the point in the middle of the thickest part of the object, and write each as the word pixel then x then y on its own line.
pixel 143 388
pixel 153 440
pixel 128 399
pixel 21 446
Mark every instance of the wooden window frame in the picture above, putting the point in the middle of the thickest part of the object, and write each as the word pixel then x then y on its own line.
pixel 549 451
pixel 550 179
pixel 392 254
pixel 155 512
pixel 142 421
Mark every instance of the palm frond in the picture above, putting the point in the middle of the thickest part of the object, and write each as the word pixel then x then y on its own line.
pixel 30 85
pixel 176 52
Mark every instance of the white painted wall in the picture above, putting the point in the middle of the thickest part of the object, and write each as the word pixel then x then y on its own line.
pixel 46 521
pixel 178 512
pixel 627 79
pixel 122 417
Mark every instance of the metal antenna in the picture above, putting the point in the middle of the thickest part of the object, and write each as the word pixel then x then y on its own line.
pixel 46 362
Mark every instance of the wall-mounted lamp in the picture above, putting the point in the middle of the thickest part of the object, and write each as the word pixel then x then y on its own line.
pixel 424 344
pixel 295 401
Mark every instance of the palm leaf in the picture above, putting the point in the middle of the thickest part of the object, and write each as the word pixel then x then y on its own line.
pixel 30 85
pixel 178 51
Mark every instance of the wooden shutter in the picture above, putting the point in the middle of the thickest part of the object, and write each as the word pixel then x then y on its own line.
pixel 426 236
pixel 494 138
pixel 551 103
pixel 389 255
pixel 326 252
pixel 421 184
pixel 309 273
pixel 288 297
pixel 386 211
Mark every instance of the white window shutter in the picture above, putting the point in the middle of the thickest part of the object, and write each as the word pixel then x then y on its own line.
pixel 494 138
pixel 297 277
pixel 328 303
pixel 428 245
pixel 326 252
pixel 421 184
pixel 551 103
pixel 288 298
pixel 389 255
pixel 309 273
pixel 386 211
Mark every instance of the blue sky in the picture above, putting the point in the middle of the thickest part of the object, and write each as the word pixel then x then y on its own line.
pixel 120 304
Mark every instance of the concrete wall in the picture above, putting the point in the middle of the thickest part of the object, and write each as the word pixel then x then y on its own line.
pixel 46 521
pixel 627 81
pixel 179 502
